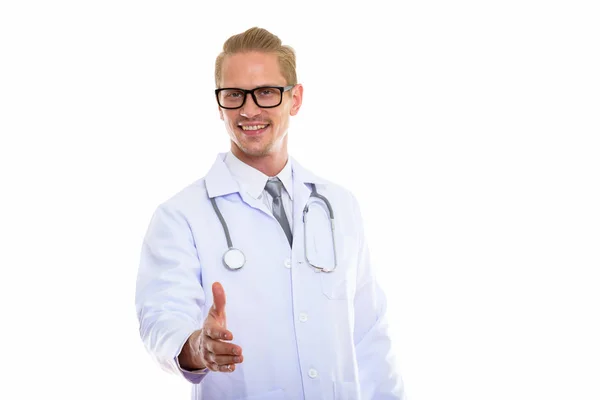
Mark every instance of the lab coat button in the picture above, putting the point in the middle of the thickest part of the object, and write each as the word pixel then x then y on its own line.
pixel 313 373
pixel 303 317
pixel 287 263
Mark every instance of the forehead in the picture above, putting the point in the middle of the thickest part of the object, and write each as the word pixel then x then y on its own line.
pixel 251 69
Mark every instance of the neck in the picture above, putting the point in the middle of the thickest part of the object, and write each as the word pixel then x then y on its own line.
pixel 270 164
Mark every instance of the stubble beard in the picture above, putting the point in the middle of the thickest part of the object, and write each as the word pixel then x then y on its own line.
pixel 249 148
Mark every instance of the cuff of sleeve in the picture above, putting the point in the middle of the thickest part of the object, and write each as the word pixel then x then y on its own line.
pixel 194 372
pixel 194 376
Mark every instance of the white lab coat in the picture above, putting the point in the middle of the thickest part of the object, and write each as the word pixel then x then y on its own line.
pixel 304 334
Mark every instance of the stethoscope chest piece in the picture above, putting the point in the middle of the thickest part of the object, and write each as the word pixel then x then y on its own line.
pixel 234 258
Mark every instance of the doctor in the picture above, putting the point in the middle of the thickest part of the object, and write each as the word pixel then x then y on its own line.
pixel 255 281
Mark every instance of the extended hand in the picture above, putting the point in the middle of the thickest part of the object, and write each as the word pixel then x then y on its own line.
pixel 208 347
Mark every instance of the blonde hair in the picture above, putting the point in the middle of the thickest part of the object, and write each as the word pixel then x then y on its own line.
pixel 258 39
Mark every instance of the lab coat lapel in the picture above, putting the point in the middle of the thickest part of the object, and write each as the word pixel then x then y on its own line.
pixel 302 180
pixel 301 195
pixel 254 203
pixel 220 182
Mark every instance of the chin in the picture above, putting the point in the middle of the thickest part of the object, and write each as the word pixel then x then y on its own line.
pixel 255 151
pixel 260 153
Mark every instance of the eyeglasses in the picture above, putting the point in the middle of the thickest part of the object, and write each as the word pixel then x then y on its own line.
pixel 264 96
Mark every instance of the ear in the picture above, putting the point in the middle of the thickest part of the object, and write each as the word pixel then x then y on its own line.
pixel 220 113
pixel 297 92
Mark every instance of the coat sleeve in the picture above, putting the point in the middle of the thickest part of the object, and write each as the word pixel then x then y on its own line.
pixel 169 295
pixel 377 365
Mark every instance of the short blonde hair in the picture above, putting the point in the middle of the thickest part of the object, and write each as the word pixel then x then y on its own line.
pixel 258 39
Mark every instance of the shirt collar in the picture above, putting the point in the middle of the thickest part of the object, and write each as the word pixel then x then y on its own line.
pixel 252 180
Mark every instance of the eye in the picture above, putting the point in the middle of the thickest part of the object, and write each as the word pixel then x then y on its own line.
pixel 233 94
pixel 266 92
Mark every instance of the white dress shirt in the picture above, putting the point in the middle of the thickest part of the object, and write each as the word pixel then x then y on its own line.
pixel 253 182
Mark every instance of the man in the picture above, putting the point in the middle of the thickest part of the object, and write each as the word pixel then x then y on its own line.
pixel 305 316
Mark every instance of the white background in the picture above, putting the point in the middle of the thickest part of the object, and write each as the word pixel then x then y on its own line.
pixel 467 130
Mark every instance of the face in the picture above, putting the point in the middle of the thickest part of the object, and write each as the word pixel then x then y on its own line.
pixel 258 132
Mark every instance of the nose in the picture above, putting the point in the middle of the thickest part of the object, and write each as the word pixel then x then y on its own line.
pixel 249 109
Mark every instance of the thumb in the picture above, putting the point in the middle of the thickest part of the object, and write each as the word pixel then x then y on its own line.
pixel 218 299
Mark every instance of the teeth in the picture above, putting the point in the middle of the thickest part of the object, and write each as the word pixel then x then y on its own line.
pixel 252 127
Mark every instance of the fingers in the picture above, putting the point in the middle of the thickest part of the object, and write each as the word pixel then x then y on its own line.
pixel 220 356
pixel 221 368
pixel 216 332
pixel 218 298
pixel 220 348
pixel 225 360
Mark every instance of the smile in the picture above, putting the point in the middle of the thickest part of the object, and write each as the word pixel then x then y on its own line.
pixel 253 127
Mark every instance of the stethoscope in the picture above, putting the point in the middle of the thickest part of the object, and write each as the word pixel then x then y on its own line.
pixel 235 259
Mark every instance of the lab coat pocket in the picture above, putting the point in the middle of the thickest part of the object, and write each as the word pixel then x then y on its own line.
pixel 339 284
pixel 346 391
pixel 334 286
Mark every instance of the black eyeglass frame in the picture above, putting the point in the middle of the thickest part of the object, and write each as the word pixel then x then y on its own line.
pixel 281 89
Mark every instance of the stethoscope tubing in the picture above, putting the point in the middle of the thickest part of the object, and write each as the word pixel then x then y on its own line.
pixel 238 255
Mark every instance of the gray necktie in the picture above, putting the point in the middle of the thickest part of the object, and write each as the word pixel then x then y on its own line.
pixel 274 187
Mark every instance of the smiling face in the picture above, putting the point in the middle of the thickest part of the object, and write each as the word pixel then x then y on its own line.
pixel 258 133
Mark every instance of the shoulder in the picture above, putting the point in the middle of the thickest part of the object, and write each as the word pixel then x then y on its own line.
pixel 307 175
pixel 188 194
pixel 339 192
pixel 325 186
pixel 186 201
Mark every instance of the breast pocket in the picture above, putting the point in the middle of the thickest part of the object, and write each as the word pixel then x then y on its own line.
pixel 340 284
pixel 346 391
